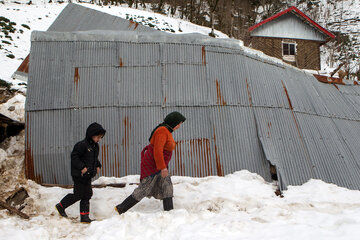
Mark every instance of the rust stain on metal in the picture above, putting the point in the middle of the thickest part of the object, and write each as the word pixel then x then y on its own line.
pixel 29 161
pixel 38 178
pixel 248 92
pixel 55 182
pixel 203 55
pixel 287 95
pixel 107 157
pixel 103 159
pixel 217 158
pixel 356 83
pixel 269 128
pixel 327 79
pixel 125 141
pixel 165 100
pixel 198 153
pixel 132 23
pixel 208 157
pixel 178 160
pixel 296 123
pixel 117 167
pixel 219 98
pixel 121 63
pixel 76 78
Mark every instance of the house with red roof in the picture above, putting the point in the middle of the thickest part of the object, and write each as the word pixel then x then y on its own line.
pixel 291 36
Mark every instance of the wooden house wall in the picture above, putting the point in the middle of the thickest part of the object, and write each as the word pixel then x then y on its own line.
pixel 307 52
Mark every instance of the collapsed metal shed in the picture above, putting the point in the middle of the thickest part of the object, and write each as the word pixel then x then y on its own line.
pixel 243 111
pixel 75 17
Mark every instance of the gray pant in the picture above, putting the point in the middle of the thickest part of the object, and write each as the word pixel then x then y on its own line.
pixel 154 186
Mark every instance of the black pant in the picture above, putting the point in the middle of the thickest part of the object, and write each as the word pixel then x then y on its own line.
pixel 82 192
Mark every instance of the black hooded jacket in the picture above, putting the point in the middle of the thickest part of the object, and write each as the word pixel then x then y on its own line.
pixel 85 154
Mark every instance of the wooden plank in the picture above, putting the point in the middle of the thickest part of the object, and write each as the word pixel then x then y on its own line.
pixel 117 185
pixel 13 210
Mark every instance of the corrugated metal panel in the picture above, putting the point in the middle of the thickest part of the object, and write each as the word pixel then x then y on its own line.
pixel 352 95
pixel 95 54
pixel 333 99
pixel 241 111
pixel 237 145
pixel 284 145
pixel 79 18
pixel 185 85
pixel 91 84
pixel 140 86
pixel 331 156
pixel 266 84
pixel 138 54
pixel 227 77
pixel 50 76
pixel 304 97
pixel 48 145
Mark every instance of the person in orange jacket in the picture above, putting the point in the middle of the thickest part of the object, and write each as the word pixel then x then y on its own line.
pixel 155 180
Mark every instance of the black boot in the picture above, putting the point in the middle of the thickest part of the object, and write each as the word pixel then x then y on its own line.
pixel 168 204
pixel 84 218
pixel 128 203
pixel 61 210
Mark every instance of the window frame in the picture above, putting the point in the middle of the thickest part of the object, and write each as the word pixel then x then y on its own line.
pixel 291 48
pixel 289 44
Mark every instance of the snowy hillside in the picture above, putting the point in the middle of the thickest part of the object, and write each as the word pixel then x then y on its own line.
pixel 340 17
pixel 18 20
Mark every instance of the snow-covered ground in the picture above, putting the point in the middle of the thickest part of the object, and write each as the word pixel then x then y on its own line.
pixel 238 206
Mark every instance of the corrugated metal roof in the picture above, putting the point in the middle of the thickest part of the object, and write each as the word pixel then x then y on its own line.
pixel 242 111
pixel 75 17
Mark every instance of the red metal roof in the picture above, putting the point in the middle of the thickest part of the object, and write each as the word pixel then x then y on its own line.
pixel 24 67
pixel 328 79
pixel 300 13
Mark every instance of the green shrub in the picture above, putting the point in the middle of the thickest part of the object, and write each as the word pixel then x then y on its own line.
pixel 4 19
pixel 25 26
pixel 3 83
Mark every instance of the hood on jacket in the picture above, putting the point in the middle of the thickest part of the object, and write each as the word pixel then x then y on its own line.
pixel 94 129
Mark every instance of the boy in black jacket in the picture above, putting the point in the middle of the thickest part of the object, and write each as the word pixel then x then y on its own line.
pixel 84 166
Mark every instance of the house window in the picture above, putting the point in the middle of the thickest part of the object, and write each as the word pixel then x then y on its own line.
pixel 289 51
